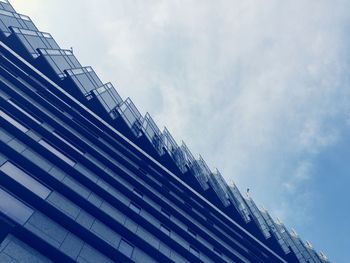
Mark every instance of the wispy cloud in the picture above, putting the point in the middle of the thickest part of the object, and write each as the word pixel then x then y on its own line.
pixel 256 87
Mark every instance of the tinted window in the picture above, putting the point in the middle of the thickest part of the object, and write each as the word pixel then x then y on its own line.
pixel 126 248
pixel 13 121
pixel 25 179
pixel 135 208
pixel 14 208
pixel 57 152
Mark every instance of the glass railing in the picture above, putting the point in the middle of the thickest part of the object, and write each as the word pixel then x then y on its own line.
pixel 131 116
pixel 305 252
pixel 33 40
pixel 323 257
pixel 219 185
pixel 258 218
pixel 239 202
pixel 290 241
pixel 312 252
pixel 60 60
pixel 9 18
pixel 174 150
pixel 270 222
pixel 84 78
pixel 169 142
pixel 201 171
pixel 152 133
pixel 5 4
pixel 108 98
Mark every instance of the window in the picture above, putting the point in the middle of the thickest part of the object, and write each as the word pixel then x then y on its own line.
pixel 138 192
pixel 192 231
pixel 68 52
pixel 28 32
pixel 26 18
pixel 23 111
pixel 13 121
pixel 217 251
pixel 126 248
pixel 135 207
pixel 14 208
pixel 4 12
pixel 165 229
pixel 25 179
pixel 46 35
pixel 194 251
pixel 53 52
pixel 166 213
pixel 67 142
pixel 56 152
pixel 76 71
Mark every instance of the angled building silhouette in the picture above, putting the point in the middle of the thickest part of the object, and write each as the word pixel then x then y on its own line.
pixel 85 177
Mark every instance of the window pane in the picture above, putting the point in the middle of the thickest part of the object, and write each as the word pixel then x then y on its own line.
pixel 135 208
pixel 13 121
pixel 56 152
pixel 138 192
pixel 14 208
pixel 25 179
pixel 165 229
pixel 23 111
pixel 192 231
pixel 67 142
pixel 165 212
pixel 217 251
pixel 126 248
pixel 194 251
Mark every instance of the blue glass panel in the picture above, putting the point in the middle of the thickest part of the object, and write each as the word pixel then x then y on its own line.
pixel 52 43
pixel 13 121
pixel 85 79
pixel 259 219
pixel 14 208
pixel 126 248
pixel 238 201
pixel 8 20
pixel 6 5
pixel 135 208
pixel 218 184
pixel 57 152
pixel 131 115
pixel 25 179
pixel 152 132
pixel 61 62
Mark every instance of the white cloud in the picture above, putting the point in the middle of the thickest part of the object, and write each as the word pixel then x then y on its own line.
pixel 254 86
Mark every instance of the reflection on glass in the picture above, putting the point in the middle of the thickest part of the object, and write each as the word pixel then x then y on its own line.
pixel 135 208
pixel 56 152
pixel 25 179
pixel 14 208
pixel 126 248
pixel 23 111
pixel 13 121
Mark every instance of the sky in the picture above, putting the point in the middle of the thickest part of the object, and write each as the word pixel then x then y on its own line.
pixel 258 88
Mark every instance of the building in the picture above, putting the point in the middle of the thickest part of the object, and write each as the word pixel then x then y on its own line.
pixel 85 177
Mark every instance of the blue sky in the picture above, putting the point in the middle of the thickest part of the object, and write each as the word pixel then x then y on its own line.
pixel 258 88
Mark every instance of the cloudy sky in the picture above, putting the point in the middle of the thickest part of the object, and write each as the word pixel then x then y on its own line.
pixel 258 88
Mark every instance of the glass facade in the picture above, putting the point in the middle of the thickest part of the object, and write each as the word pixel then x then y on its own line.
pixel 85 177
